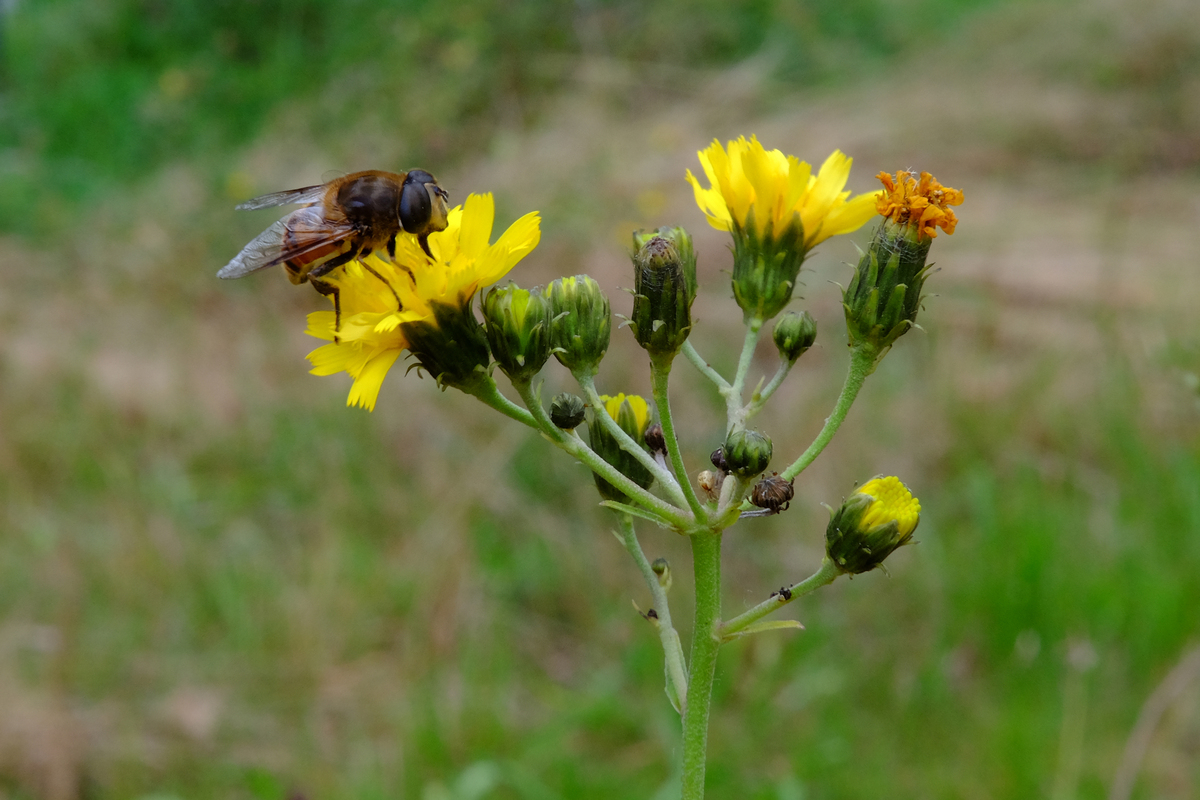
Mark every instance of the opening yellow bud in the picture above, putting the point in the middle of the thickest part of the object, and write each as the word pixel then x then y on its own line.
pixel 892 501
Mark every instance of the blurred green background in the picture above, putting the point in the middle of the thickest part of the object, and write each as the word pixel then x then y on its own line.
pixel 217 581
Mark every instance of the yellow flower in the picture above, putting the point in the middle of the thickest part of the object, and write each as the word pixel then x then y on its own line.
pixel 377 308
pixel 778 189
pixel 920 202
pixel 891 500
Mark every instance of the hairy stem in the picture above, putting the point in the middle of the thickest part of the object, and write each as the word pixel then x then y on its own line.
pixel 672 648
pixel 488 394
pixel 733 395
pixel 706 641
pixel 862 364
pixel 824 576
pixel 760 398
pixel 660 374
pixel 703 366
pixel 572 444
pixel 665 478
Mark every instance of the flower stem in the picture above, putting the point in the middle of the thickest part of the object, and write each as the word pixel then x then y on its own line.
pixel 760 398
pixel 672 648
pixel 660 374
pixel 862 364
pixel 665 478
pixel 487 393
pixel 572 444
pixel 824 576
pixel 703 366
pixel 733 395
pixel 706 641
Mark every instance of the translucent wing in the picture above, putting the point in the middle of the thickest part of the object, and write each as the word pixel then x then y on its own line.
pixel 297 234
pixel 304 196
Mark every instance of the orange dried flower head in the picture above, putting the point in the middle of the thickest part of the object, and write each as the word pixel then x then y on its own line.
pixel 922 202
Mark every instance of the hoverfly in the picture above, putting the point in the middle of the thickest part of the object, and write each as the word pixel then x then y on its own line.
pixel 348 218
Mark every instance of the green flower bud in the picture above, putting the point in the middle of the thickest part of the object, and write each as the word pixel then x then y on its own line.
pixel 683 245
pixel 451 345
pixel 883 297
pixel 632 414
pixel 747 453
pixel 662 294
pixel 870 524
pixel 663 570
pixel 766 264
pixel 580 323
pixel 518 329
pixel 567 411
pixel 794 334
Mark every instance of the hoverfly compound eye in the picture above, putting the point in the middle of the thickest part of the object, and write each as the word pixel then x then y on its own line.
pixel 416 205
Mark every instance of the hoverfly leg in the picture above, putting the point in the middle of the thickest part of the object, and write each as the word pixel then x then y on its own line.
pixel 391 249
pixel 331 290
pixel 387 283
pixel 316 278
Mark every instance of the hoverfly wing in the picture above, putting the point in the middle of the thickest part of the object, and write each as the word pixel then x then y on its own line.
pixel 304 196
pixel 297 234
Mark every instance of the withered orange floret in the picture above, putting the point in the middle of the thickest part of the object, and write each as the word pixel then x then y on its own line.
pixel 922 201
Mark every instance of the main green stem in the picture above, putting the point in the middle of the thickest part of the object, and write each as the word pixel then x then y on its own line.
pixel 706 641
pixel 862 364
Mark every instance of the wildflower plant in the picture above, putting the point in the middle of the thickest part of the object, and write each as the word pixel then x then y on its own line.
pixel 776 209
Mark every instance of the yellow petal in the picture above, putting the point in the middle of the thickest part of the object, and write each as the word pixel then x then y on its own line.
pixel 365 390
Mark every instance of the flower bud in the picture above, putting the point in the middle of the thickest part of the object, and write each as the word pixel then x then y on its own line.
pixel 663 293
pixel 632 414
pixel 870 524
pixel 663 570
pixel 683 245
pixel 450 345
pixel 884 296
pixel 747 453
pixel 518 329
pixel 566 411
pixel 794 334
pixel 773 493
pixel 580 323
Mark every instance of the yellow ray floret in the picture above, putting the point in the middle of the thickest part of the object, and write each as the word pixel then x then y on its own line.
pixel 371 336
pixel 892 501
pixel 777 188
pixel 636 403
pixel 922 202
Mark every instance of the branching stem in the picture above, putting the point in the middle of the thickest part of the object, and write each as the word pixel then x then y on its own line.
pixel 862 364
pixel 572 444
pixel 672 648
